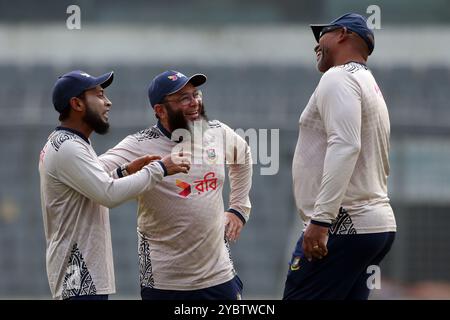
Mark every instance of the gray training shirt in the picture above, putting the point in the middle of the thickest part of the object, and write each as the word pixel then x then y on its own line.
pixel 75 194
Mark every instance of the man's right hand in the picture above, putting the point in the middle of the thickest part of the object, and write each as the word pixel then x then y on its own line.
pixel 137 164
pixel 176 163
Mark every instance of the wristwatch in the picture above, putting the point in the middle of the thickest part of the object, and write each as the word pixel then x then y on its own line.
pixel 122 171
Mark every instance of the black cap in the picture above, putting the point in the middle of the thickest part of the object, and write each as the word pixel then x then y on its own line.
pixel 73 84
pixel 353 22
pixel 170 82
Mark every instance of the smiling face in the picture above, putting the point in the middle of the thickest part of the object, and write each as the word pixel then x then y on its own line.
pixel 324 50
pixel 187 100
pixel 98 106
pixel 182 107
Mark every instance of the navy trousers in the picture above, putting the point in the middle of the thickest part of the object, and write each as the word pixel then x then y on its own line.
pixel 230 290
pixel 343 273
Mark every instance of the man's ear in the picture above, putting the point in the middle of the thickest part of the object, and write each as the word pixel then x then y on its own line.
pixel 343 34
pixel 76 104
pixel 160 111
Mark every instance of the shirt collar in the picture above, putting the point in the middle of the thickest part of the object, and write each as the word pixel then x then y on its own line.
pixel 167 133
pixel 163 130
pixel 78 133
pixel 361 63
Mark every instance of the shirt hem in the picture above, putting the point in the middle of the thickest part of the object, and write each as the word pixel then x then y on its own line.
pixel 376 230
pixel 99 292
pixel 189 287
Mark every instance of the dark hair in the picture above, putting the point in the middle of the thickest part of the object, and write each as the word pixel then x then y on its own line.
pixel 162 102
pixel 64 115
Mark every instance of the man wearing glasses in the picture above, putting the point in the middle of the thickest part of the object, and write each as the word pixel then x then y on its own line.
pixel 340 170
pixel 183 229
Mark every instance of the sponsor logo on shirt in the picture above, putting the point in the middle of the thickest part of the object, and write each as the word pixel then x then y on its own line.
pixel 185 186
pixel 208 183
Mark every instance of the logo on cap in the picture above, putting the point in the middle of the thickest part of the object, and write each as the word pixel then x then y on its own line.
pixel 176 76
pixel 85 74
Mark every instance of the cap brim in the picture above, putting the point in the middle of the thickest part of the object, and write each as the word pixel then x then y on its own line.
pixel 196 80
pixel 317 28
pixel 104 80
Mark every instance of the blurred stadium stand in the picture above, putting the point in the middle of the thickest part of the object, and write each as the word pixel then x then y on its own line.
pixel 204 12
pixel 258 95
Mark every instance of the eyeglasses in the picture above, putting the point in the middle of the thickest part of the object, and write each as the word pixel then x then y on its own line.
pixel 332 28
pixel 187 99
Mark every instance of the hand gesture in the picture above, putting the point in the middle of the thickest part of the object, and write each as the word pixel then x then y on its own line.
pixel 137 164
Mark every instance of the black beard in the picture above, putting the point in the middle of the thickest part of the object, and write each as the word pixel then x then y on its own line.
pixel 94 121
pixel 177 120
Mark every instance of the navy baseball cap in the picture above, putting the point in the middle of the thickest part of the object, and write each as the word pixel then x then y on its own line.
pixel 74 83
pixel 170 82
pixel 354 22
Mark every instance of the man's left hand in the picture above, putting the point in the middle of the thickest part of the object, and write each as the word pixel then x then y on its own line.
pixel 315 241
pixel 233 226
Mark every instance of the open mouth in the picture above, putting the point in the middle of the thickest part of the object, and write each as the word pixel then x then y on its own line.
pixel 318 54
pixel 192 115
pixel 106 115
pixel 318 51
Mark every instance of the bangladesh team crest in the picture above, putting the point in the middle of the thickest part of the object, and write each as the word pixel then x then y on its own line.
pixel 211 154
pixel 295 265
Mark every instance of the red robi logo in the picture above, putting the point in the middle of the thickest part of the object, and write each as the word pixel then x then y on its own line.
pixel 209 182
pixel 185 186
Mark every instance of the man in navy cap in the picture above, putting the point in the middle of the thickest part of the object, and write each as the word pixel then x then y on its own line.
pixel 76 191
pixel 340 170
pixel 183 227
